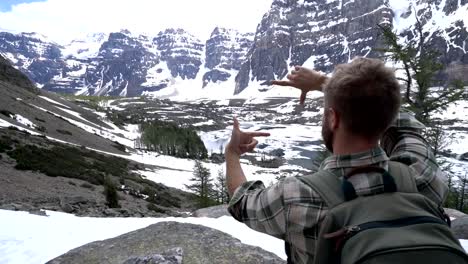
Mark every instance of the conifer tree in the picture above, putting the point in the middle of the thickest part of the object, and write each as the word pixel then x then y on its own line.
pixel 423 92
pixel 202 185
pixel 222 195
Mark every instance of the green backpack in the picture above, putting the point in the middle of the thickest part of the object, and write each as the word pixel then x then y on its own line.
pixel 399 225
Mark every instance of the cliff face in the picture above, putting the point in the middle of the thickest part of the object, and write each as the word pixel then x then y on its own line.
pixel 326 31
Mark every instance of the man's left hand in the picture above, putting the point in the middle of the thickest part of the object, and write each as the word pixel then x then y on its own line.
pixel 242 142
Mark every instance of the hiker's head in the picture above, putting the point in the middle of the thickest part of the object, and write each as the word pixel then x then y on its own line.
pixel 362 98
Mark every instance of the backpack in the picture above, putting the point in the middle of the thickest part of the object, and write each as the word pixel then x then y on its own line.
pixel 399 225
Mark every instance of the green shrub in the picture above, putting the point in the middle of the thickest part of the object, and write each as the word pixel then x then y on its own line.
pixel 110 191
pixel 155 208
pixel 64 132
pixel 7 113
pixel 5 144
pixel 119 146
pixel 69 162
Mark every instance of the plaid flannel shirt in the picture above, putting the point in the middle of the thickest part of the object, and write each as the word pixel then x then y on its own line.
pixel 292 211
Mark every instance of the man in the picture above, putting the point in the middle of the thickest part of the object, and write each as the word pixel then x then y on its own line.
pixel 362 127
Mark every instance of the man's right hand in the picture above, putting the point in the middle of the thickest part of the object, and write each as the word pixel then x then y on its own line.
pixel 303 79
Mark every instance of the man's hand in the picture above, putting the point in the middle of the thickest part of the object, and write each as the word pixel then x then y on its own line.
pixel 303 79
pixel 242 142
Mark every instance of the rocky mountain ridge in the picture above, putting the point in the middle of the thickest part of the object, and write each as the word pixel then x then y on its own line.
pixel 318 34
pixel 123 64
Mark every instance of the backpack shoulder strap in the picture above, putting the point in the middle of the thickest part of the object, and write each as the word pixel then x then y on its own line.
pixel 403 176
pixel 327 185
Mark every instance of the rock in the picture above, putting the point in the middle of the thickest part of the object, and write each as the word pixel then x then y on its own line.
pixel 67 208
pixel 172 256
pixel 454 213
pixel 212 212
pixel 277 152
pixel 73 200
pixel 200 244
pixel 110 212
pixel 460 227
pixel 38 212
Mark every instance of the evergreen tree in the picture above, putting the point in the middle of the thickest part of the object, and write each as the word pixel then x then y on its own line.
pixel 202 185
pixel 170 139
pixel 222 195
pixel 463 192
pixel 423 92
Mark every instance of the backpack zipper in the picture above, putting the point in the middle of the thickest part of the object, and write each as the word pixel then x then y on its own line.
pixel 342 235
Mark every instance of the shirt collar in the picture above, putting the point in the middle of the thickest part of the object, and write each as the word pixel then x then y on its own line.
pixel 371 157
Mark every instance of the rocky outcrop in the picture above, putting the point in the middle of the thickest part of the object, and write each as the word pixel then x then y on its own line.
pixel 172 256
pixel 121 66
pixel 34 55
pixel 182 52
pixel 326 32
pixel 212 212
pixel 460 227
pixel 197 244
pixel 226 50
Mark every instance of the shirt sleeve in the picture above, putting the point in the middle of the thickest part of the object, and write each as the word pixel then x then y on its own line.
pixel 260 208
pixel 403 142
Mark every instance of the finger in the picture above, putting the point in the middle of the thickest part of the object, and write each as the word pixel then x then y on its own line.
pixel 291 77
pixel 258 134
pixel 297 68
pixel 281 83
pixel 236 124
pixel 303 97
pixel 294 72
pixel 251 146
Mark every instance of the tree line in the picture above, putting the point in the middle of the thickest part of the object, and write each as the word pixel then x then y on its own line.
pixel 170 139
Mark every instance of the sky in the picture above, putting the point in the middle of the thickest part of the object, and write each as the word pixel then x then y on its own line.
pixel 64 20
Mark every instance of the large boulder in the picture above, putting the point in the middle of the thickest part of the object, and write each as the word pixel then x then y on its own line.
pixel 454 214
pixel 460 227
pixel 212 212
pixel 198 244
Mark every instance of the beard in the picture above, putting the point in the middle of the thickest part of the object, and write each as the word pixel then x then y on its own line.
pixel 327 133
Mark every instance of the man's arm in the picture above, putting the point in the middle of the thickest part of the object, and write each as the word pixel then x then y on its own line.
pixel 260 208
pixel 404 143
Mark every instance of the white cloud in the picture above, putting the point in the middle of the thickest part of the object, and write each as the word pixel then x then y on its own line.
pixel 62 20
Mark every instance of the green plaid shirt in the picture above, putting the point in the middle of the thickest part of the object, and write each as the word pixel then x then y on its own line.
pixel 292 211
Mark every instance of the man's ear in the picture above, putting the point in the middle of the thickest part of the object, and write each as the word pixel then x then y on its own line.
pixel 334 119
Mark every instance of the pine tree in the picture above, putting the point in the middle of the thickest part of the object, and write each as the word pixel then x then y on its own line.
pixel 202 185
pixel 463 192
pixel 423 92
pixel 222 195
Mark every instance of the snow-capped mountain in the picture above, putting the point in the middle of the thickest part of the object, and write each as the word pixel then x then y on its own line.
pixel 325 33
pixel 319 34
